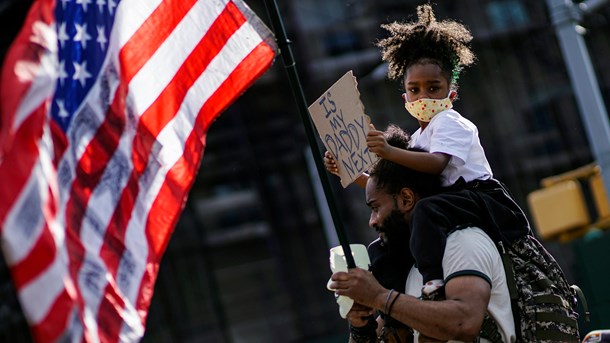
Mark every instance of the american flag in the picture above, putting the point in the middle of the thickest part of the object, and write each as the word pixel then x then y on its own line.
pixel 105 105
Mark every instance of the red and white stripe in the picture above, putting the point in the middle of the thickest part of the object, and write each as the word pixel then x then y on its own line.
pixel 109 192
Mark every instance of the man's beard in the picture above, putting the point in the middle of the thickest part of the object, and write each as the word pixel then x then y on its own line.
pixel 392 259
pixel 397 233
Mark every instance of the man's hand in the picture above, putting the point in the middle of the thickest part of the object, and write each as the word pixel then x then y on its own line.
pixel 359 315
pixel 458 318
pixel 360 285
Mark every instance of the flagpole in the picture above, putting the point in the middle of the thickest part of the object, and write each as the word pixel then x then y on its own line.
pixel 297 90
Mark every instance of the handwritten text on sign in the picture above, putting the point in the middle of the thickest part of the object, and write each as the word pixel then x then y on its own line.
pixel 342 125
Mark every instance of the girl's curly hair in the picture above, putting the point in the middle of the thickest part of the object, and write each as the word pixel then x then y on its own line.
pixel 445 43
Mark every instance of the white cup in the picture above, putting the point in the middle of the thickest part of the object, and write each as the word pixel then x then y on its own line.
pixel 338 263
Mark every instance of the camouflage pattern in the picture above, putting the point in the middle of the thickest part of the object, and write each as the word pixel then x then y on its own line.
pixel 533 267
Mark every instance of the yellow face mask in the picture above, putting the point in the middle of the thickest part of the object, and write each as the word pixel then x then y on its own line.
pixel 425 109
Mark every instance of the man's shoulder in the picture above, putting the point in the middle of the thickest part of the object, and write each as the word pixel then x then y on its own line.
pixel 471 233
pixel 470 242
pixel 471 250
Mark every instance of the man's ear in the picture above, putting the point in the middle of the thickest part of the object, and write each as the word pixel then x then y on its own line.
pixel 406 199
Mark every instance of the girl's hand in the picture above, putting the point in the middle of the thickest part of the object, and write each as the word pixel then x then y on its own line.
pixel 330 163
pixel 377 143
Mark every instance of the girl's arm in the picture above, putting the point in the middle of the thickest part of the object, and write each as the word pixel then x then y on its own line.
pixel 425 162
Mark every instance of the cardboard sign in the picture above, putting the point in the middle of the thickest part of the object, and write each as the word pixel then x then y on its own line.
pixel 342 125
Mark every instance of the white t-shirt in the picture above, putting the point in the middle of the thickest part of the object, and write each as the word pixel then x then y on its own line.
pixel 450 133
pixel 471 252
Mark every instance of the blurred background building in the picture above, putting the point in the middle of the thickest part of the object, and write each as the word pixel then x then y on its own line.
pixel 248 261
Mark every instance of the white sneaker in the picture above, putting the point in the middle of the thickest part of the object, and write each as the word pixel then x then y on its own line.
pixel 432 286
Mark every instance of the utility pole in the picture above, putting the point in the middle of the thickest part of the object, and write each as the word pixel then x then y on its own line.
pixel 566 15
pixel 297 90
